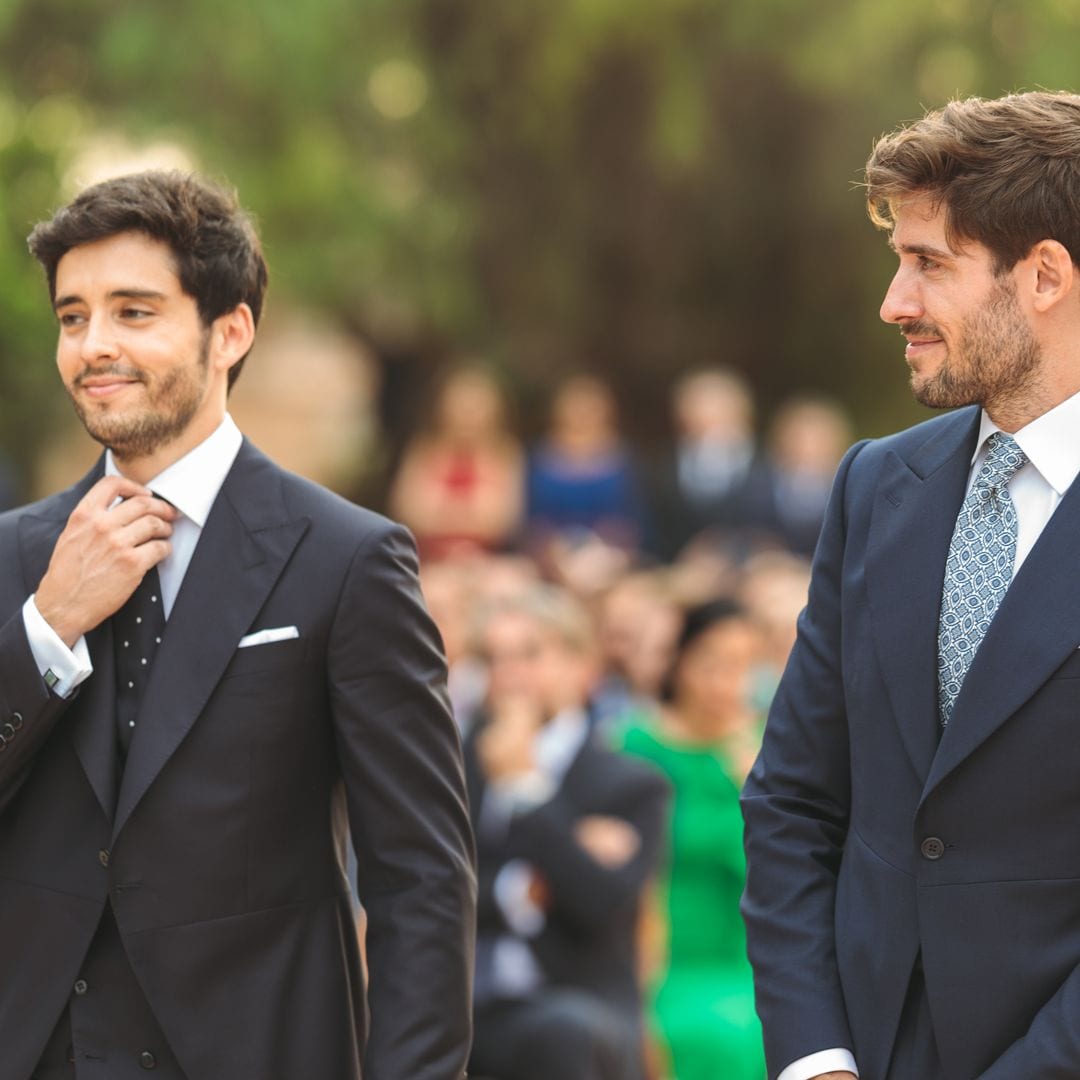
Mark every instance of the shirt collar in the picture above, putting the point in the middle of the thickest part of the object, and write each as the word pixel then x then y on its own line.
pixel 1051 442
pixel 192 483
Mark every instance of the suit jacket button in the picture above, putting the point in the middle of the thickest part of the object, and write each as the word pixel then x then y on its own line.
pixel 147 1060
pixel 81 987
pixel 103 856
pixel 932 848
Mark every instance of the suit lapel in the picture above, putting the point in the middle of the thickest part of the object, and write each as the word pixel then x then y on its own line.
pixel 245 545
pixel 93 731
pixel 1034 631
pixel 911 527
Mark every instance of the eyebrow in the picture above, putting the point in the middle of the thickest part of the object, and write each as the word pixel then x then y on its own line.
pixel 921 249
pixel 116 294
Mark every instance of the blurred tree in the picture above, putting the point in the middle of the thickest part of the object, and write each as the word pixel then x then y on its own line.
pixel 634 188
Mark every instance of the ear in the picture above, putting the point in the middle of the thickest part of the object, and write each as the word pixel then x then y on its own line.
pixel 1051 274
pixel 231 336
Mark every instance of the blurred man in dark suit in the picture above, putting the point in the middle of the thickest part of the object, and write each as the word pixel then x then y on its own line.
pixel 568 832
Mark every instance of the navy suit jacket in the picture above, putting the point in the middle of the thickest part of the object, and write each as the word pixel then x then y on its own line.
pixel 225 830
pixel 855 776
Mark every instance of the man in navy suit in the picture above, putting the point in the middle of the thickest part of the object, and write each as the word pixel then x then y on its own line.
pixel 212 672
pixel 913 820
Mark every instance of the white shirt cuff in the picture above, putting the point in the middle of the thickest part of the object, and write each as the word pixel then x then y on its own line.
pixel 512 885
pixel 62 668
pixel 824 1061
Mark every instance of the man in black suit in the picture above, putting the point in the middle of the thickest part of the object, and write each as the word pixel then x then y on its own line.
pixel 912 902
pixel 568 833
pixel 713 487
pixel 211 673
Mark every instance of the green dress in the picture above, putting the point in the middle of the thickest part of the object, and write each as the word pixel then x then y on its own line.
pixel 703 1004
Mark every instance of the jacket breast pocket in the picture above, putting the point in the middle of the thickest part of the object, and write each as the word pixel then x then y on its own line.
pixel 271 661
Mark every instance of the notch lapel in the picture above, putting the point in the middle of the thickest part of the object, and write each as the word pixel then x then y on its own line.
pixel 247 540
pixel 1034 631
pixel 93 713
pixel 911 526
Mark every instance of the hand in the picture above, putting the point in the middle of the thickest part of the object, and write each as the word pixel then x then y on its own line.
pixel 610 841
pixel 505 746
pixel 102 555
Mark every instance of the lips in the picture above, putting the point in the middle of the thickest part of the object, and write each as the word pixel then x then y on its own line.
pixel 917 347
pixel 104 386
pixel 104 382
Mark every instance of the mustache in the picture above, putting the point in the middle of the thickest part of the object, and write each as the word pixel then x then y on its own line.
pixel 123 371
pixel 919 328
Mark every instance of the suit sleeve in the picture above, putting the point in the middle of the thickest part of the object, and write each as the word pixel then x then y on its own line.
pixel 1051 1045
pixel 795 806
pixel 28 710
pixel 583 892
pixel 401 761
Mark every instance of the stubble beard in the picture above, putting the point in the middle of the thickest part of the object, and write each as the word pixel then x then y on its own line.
pixel 995 359
pixel 169 409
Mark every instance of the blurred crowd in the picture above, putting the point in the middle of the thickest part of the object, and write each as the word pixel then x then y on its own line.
pixel 615 629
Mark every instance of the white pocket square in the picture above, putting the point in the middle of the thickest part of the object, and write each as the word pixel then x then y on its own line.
pixel 264 637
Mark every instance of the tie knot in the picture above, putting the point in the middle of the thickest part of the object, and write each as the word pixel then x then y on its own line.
pixel 1003 459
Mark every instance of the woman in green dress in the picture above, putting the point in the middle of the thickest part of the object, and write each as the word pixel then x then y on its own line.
pixel 704 737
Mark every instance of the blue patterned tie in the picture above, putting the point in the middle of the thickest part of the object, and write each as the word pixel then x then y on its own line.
pixel 979 567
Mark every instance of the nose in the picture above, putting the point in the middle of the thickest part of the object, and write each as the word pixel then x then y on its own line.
pixel 901 301
pixel 99 342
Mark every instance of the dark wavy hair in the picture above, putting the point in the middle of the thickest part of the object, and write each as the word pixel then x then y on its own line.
pixel 219 259
pixel 1006 171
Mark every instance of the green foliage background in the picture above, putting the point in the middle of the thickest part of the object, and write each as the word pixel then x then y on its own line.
pixel 631 186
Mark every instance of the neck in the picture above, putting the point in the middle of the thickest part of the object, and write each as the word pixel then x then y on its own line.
pixel 1056 380
pixel 144 467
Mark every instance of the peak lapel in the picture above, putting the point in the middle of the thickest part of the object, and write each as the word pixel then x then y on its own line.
pixel 247 540
pixel 1034 631
pixel 93 731
pixel 911 527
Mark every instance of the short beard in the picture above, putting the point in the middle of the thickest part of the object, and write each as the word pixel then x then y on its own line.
pixel 995 359
pixel 139 436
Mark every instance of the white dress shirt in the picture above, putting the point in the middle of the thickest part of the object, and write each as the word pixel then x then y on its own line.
pixel 1051 443
pixel 191 485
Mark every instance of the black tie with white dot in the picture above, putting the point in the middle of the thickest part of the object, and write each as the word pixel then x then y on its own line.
pixel 137 631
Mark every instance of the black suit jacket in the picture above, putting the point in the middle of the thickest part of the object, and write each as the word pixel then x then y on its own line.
pixel 873 837
pixel 223 837
pixel 589 937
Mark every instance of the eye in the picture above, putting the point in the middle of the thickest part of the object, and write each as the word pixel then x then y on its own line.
pixel 135 313
pixel 927 265
pixel 70 318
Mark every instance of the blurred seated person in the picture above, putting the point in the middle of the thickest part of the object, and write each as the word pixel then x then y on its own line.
pixel 808 437
pixel 582 485
pixel 568 832
pixel 773 589
pixel 704 737
pixel 460 484
pixel 638 620
pixel 448 586
pixel 456 590
pixel 714 478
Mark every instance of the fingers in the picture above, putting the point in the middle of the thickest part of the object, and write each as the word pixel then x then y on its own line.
pixel 152 552
pixel 108 489
pixel 143 529
pixel 135 501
